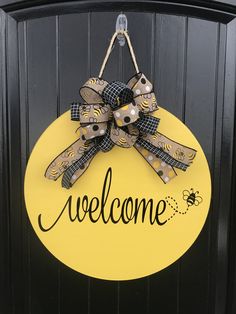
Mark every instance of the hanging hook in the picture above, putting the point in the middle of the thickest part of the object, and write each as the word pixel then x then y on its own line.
pixel 121 26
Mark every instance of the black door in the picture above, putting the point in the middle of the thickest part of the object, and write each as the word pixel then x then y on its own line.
pixel 47 50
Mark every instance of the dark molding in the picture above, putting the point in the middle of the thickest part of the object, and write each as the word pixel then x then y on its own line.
pixel 5 261
pixel 210 10
pixel 226 171
pixel 231 291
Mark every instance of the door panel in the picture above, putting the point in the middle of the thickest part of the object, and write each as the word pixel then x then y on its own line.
pixel 192 64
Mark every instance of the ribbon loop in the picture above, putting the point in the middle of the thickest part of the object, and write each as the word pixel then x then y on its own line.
pixel 91 91
pixel 126 115
pixel 147 103
pixel 94 113
pixel 140 84
pixel 93 130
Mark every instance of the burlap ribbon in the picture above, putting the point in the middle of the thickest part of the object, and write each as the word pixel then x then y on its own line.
pixel 119 114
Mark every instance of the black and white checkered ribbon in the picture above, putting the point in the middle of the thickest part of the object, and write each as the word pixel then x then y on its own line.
pixel 74 111
pixel 116 95
pixel 147 124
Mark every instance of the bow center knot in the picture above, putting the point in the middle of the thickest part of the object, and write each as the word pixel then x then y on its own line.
pixel 117 94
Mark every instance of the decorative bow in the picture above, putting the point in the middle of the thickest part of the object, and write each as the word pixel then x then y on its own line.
pixel 118 114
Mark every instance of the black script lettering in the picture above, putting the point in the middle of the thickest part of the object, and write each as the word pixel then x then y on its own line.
pixel 123 211
pixel 105 193
pixel 129 210
pixel 124 205
pixel 80 219
pixel 159 213
pixel 144 208
pixel 92 210
pixel 112 210
pixel 67 204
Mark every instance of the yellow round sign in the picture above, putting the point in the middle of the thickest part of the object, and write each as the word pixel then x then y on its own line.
pixel 119 221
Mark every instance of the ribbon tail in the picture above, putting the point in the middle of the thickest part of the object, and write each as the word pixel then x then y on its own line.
pixel 180 156
pixel 164 171
pixel 147 124
pixel 78 167
pixel 65 159
pixel 160 153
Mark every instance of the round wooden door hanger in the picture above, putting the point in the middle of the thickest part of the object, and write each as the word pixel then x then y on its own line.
pixel 135 189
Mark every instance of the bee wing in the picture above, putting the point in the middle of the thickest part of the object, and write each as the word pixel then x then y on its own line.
pixel 198 200
pixel 186 194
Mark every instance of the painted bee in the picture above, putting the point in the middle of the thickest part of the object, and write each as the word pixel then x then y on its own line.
pixel 191 197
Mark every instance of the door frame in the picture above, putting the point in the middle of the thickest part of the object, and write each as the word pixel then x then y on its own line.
pixel 11 190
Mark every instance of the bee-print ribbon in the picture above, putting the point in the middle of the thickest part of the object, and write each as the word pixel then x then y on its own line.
pixel 119 114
